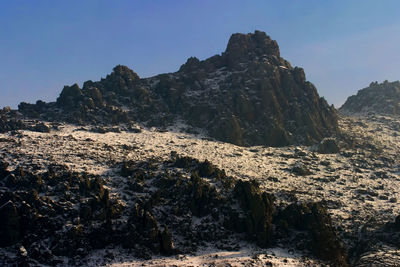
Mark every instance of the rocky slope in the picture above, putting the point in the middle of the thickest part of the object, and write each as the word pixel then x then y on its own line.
pixel 383 98
pixel 146 216
pixel 114 196
pixel 123 170
pixel 248 95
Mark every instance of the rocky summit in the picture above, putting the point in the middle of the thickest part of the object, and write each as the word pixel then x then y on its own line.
pixel 248 95
pixel 377 98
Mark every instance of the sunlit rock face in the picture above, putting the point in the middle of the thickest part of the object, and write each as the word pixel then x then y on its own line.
pixel 248 95
pixel 377 98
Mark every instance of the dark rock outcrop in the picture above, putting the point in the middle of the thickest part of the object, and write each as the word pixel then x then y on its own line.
pixel 41 127
pixel 248 95
pixel 313 218
pixel 157 209
pixel 259 208
pixel 3 169
pixel 377 98
pixel 70 96
pixel 377 243
pixel 9 120
pixel 9 224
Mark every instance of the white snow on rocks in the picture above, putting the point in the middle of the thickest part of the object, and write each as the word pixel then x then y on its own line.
pixel 356 184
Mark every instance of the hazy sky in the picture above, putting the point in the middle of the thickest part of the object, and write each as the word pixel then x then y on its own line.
pixel 44 45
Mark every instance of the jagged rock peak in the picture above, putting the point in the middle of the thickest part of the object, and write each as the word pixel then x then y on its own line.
pixel 257 43
pixel 377 98
pixel 124 71
pixel 121 81
pixel 191 64
pixel 248 95
pixel 69 94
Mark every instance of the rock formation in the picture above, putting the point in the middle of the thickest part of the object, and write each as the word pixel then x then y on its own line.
pixel 248 95
pixel 378 98
pixel 61 214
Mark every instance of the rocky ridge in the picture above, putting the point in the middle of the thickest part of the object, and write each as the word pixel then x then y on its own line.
pixel 377 98
pixel 248 95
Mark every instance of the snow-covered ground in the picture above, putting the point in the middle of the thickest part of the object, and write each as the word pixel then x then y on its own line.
pixel 246 257
pixel 358 186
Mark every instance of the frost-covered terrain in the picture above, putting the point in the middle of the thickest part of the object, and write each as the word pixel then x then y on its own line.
pixel 211 165
pixel 359 185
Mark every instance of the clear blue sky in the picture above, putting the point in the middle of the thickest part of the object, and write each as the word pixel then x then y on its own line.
pixel 44 45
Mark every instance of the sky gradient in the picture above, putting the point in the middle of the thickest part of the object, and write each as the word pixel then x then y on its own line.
pixel 44 45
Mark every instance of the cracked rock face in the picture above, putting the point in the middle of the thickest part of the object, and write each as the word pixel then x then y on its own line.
pixel 248 95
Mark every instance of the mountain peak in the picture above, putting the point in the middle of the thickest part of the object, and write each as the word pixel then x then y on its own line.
pixel 256 44
pixel 248 95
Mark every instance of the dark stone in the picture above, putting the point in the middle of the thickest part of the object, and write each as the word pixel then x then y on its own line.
pixel 41 127
pixel 258 207
pixel 192 64
pixel 328 146
pixel 203 197
pixel 85 212
pixel 127 169
pixel 167 246
pixel 3 169
pixel 229 130
pixel 206 169
pixel 9 224
pixel 10 123
pixel 301 169
pixel 184 162
pixel 313 218
pixel 397 223
pixel 70 96
pixel 95 94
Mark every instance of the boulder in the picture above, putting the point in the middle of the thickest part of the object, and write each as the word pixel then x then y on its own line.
pixel 328 146
pixel 300 168
pixel 41 127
